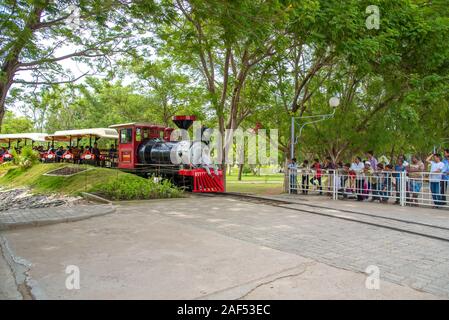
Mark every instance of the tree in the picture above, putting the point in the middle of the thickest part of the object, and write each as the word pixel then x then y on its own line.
pixel 97 103
pixel 36 35
pixel 16 124
pixel 373 72
pixel 221 43
pixel 168 90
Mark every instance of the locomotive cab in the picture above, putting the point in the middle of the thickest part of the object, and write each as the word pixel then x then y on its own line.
pixel 132 135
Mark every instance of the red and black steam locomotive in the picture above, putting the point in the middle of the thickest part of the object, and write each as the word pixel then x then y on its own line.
pixel 146 149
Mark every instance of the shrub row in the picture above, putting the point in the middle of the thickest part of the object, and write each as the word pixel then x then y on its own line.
pixel 130 187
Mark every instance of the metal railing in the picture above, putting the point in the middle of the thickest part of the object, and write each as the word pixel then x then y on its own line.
pixel 399 187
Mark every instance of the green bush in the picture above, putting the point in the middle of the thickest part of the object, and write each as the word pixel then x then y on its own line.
pixel 247 169
pixel 130 187
pixel 26 159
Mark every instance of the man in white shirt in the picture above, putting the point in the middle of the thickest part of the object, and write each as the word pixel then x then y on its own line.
pixel 435 176
pixel 357 166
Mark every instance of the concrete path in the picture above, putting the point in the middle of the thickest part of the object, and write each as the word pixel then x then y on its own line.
pixel 196 249
pixel 427 215
pixel 8 286
pixel 42 216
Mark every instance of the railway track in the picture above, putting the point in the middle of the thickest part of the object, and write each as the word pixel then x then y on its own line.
pixel 426 230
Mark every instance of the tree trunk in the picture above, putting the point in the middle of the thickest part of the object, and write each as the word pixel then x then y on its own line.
pixel 239 178
pixel 4 88
pixel 2 114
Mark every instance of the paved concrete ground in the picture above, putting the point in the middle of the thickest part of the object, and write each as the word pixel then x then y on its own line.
pixel 214 248
pixel 8 287
pixel 43 216
pixel 427 215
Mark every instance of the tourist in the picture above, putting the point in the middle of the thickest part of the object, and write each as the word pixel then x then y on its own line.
pixel 293 171
pixel 59 153
pixel 76 154
pixel 345 180
pixel 357 166
pixel 96 152
pixel 81 152
pixel 387 183
pixel 316 180
pixel 415 170
pixel 330 168
pixel 398 168
pixel 372 160
pixel 113 155
pixel 368 173
pixel 445 178
pixel 305 172
pixel 404 161
pixel 378 176
pixel 435 177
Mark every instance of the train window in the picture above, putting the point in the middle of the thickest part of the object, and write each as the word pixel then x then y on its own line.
pixel 145 133
pixel 125 135
pixel 138 134
pixel 161 134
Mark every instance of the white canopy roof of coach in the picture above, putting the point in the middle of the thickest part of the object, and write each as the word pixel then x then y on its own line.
pixel 33 136
pixel 65 135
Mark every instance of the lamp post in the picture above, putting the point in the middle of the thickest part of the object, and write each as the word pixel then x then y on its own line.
pixel 334 102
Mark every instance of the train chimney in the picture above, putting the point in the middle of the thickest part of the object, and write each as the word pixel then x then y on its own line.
pixel 184 122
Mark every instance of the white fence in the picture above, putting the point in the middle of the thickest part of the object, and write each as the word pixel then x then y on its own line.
pixel 414 189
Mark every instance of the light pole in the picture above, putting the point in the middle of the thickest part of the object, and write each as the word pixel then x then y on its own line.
pixel 334 102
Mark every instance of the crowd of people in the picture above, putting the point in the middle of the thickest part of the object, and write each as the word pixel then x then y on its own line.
pixel 75 154
pixel 376 180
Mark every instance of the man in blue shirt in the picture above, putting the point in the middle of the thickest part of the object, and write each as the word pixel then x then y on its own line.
pixel 445 178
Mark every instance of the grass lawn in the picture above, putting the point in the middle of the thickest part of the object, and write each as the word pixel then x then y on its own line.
pixel 263 184
pixel 14 177
pixel 262 178
pixel 255 188
pixel 72 185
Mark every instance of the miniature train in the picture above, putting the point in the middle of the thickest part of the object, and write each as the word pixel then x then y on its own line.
pixel 144 149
